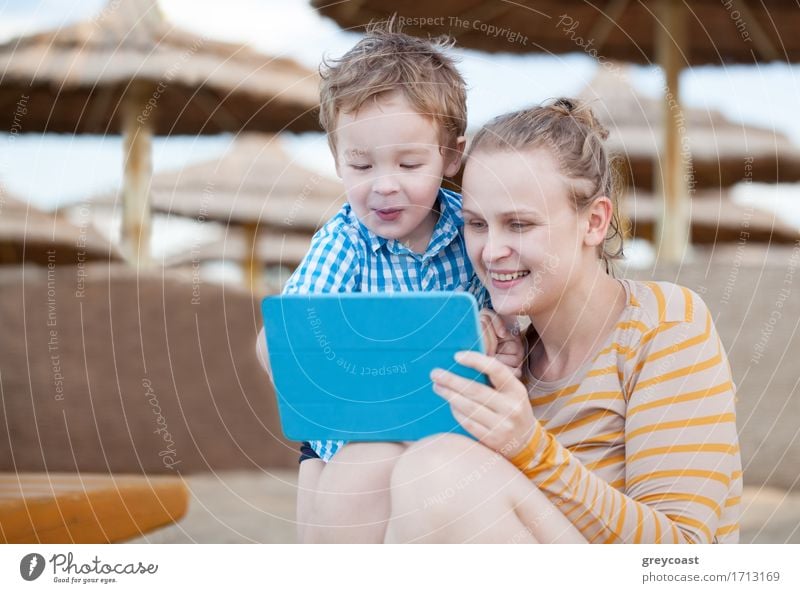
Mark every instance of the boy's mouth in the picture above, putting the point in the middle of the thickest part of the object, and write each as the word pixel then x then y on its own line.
pixel 389 214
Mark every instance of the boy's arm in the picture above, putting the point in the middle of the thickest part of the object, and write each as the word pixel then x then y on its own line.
pixel 331 265
pixel 262 354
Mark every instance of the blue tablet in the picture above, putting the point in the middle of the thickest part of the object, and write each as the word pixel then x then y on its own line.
pixel 356 366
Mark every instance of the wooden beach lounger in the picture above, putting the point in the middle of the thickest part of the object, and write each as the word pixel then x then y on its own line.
pixel 86 508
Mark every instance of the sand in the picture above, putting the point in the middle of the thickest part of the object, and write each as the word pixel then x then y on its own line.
pixel 258 507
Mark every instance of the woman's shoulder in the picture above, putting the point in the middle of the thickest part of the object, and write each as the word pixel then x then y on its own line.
pixel 655 303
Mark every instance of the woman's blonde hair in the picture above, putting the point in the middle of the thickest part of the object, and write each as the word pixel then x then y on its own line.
pixel 386 60
pixel 569 130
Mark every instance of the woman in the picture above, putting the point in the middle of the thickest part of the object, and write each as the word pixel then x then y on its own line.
pixel 623 427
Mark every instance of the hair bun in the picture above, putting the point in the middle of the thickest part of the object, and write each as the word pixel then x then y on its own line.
pixel 581 113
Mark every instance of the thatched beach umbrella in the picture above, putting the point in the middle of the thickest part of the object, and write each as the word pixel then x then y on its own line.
pixel 128 70
pixel 257 187
pixel 673 33
pixel 721 152
pixel 28 235
pixel 715 219
pixel 11 204
pixel 286 250
pixel 274 257
pixel 139 351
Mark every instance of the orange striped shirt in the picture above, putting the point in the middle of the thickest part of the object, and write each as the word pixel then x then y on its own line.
pixel 640 444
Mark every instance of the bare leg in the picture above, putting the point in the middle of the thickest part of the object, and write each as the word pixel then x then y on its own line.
pixel 352 503
pixel 307 484
pixel 449 488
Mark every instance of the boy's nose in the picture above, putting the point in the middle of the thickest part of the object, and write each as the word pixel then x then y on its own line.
pixel 385 185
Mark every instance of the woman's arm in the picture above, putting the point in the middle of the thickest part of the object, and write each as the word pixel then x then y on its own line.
pixel 681 445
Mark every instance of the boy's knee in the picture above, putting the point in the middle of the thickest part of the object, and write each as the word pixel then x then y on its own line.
pixel 360 470
pixel 369 454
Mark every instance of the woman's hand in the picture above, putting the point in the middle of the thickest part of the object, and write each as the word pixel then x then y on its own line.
pixel 500 415
pixel 501 342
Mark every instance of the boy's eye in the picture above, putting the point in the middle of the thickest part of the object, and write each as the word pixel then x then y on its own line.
pixel 359 167
pixel 410 165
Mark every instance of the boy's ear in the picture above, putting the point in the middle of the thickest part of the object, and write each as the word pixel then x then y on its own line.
pixel 599 215
pixel 454 157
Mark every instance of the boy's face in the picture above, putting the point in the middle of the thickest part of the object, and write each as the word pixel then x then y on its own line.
pixel 389 159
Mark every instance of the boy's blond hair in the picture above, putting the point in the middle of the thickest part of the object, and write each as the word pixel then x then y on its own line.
pixel 385 61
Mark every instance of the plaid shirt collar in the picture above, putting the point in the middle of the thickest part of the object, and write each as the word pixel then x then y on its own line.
pixel 447 228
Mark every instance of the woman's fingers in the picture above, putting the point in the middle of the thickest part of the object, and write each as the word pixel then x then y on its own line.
pixel 490 340
pixel 499 374
pixel 465 407
pixel 477 392
pixel 470 424
pixel 499 326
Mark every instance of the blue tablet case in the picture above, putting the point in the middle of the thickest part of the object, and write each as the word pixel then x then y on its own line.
pixel 357 366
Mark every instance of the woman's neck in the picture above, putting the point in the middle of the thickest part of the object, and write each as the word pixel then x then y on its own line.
pixel 574 329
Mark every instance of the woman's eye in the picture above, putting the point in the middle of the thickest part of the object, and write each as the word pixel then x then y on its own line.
pixel 519 226
pixel 410 165
pixel 477 225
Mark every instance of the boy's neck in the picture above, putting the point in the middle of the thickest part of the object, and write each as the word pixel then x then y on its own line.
pixel 419 240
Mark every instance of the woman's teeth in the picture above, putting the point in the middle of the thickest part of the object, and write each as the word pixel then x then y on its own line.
pixel 507 277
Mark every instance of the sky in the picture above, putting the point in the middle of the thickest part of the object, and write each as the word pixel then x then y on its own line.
pixel 767 95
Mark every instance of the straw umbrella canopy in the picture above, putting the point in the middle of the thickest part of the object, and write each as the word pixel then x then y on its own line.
pixel 11 204
pixel 128 70
pixel 285 250
pixel 715 219
pixel 28 235
pixel 673 33
pixel 257 188
pixel 719 148
pixel 277 255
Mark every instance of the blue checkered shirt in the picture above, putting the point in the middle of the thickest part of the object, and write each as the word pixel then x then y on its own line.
pixel 345 256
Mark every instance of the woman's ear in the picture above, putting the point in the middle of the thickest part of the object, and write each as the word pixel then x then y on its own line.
pixel 454 156
pixel 599 215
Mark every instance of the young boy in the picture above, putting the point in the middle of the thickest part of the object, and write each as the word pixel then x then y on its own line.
pixel 394 110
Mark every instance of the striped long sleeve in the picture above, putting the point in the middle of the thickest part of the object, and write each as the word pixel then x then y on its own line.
pixel 640 446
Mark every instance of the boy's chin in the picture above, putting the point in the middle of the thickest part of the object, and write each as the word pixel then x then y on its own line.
pixel 384 233
pixel 386 230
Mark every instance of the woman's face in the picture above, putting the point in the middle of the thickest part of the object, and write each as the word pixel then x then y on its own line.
pixel 523 235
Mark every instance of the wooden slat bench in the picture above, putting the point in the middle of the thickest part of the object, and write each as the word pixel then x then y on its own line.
pixel 86 508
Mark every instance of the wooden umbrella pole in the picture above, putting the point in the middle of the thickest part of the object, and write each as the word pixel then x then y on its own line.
pixel 253 264
pixel 137 130
pixel 673 225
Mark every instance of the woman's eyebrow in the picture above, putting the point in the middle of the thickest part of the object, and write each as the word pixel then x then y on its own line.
pixel 510 213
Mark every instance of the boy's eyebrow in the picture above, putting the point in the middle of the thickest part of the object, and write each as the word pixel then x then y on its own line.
pixel 414 149
pixel 355 153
